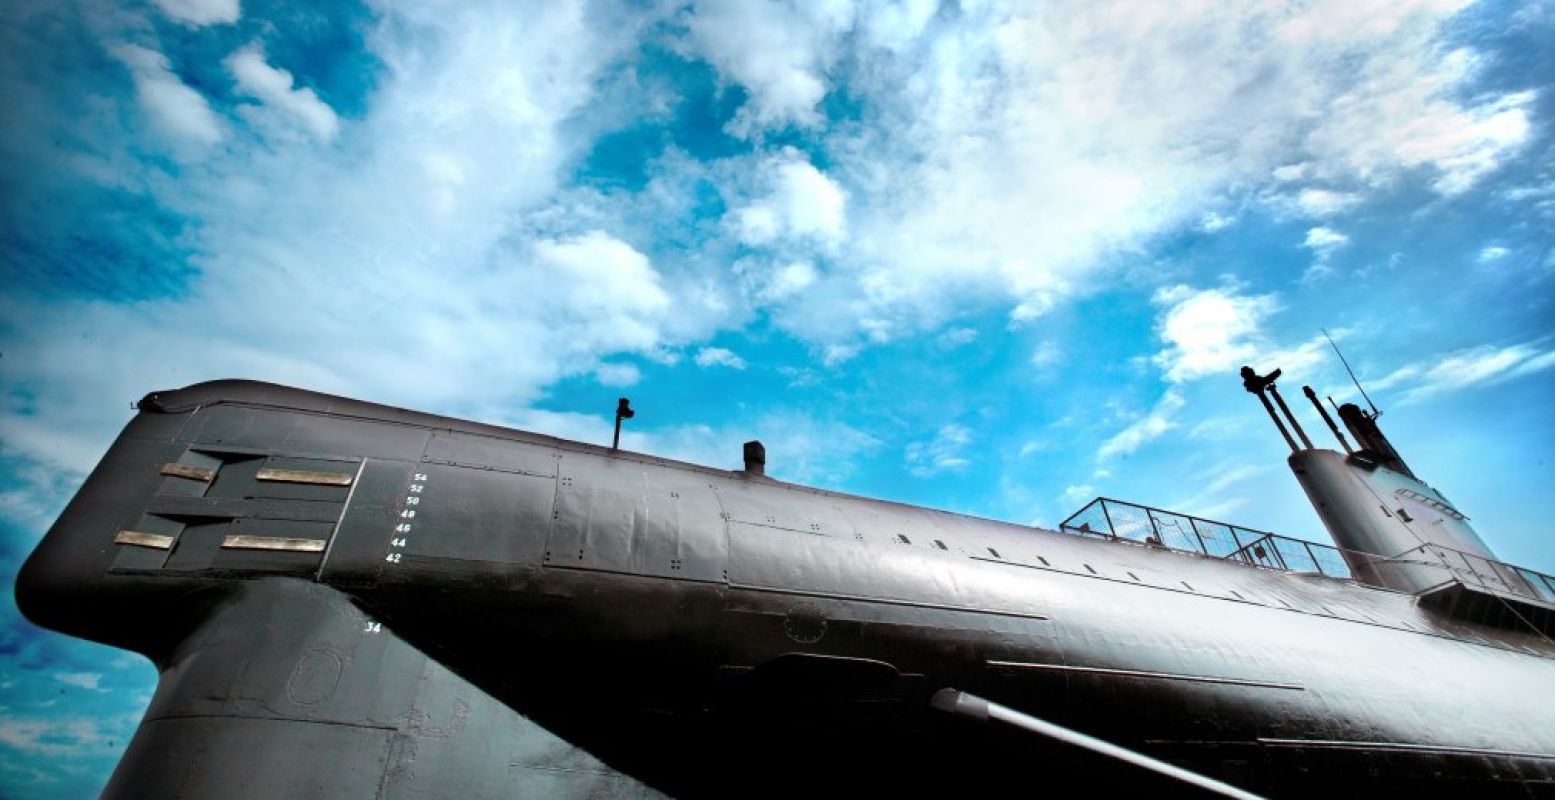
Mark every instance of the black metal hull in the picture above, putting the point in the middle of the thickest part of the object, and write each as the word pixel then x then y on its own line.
pixel 559 619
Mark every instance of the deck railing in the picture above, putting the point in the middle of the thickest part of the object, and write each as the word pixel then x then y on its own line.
pixel 1107 518
pixel 1497 577
pixel 1116 519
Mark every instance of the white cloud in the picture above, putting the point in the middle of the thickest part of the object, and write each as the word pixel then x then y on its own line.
pixel 1492 253
pixel 800 447
pixel 1208 332
pixel 617 374
pixel 1465 144
pixel 1021 151
pixel 1538 193
pixel 719 357
pixel 1325 203
pixel 1534 363
pixel 1210 498
pixel 1323 240
pixel 1046 355
pixel 957 337
pixel 607 281
pixel 1298 359
pixel 58 737
pixel 1213 221
pixel 176 110
pixel 941 454
pixel 437 259
pixel 200 12
pixel 450 265
pixel 1079 493
pixel 1214 332
pixel 80 680
pixel 1144 430
pixel 1285 173
pixel 778 52
pixel 1464 369
pixel 274 87
pixel 1226 476
pixel 789 281
pixel 802 203
pixel 835 354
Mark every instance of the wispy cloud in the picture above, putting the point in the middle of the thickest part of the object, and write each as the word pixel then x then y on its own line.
pixel 173 108
pixel 1214 221
pixel 718 357
pixel 1145 429
pixel 200 12
pixel 1491 253
pixel 275 88
pixel 1035 151
pixel 617 374
pixel 944 453
pixel 957 337
pixel 1324 203
pixel 1078 493
pixel 81 680
pixel 786 281
pixel 1464 369
pixel 1046 355
pixel 68 737
pixel 1323 241
pixel 801 447
pixel 1210 499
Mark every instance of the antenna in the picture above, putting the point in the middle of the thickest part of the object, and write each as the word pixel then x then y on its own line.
pixel 1374 412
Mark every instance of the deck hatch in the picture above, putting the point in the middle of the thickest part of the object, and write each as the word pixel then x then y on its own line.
pixel 143 539
pixel 185 471
pixel 304 476
pixel 274 543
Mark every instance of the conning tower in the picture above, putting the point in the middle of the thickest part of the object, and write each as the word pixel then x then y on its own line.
pixel 1393 529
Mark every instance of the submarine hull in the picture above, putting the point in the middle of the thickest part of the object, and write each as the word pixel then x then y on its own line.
pixel 350 600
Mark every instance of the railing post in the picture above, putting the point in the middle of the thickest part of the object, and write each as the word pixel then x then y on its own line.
pixel 1065 523
pixel 1241 549
pixel 1308 546
pixel 1203 548
pixel 1274 548
pixel 1479 579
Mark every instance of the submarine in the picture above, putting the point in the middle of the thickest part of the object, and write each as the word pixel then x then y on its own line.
pixel 349 600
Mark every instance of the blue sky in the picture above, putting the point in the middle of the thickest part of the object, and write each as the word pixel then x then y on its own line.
pixel 993 257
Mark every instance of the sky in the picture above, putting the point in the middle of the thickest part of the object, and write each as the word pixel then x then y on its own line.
pixel 993 257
